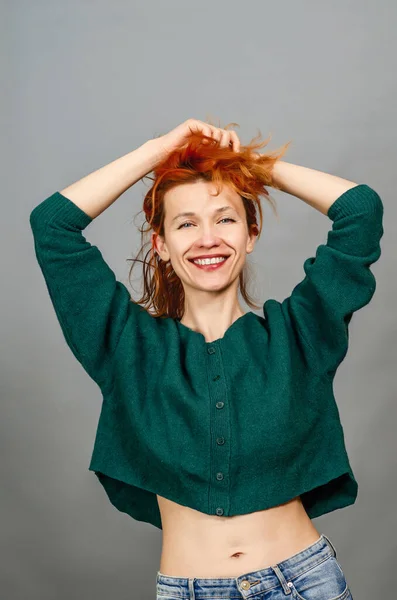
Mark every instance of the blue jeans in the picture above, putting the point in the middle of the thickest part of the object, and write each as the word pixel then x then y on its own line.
pixel 312 574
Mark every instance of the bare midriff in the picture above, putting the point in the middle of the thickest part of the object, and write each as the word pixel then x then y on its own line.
pixel 209 546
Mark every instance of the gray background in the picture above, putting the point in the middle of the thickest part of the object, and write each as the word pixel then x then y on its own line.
pixel 86 82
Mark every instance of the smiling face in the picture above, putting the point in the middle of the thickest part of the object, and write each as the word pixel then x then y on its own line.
pixel 215 226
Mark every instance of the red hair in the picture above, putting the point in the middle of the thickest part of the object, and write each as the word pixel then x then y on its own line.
pixel 246 171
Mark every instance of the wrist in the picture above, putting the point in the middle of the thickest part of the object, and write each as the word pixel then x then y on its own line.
pixel 155 151
pixel 279 174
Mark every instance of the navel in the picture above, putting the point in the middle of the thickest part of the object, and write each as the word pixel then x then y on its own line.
pixel 236 554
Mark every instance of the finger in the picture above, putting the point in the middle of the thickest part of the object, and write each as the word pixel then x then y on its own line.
pixel 205 129
pixel 225 139
pixel 216 133
pixel 196 126
pixel 235 141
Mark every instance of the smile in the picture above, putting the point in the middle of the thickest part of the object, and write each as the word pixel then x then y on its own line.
pixel 210 266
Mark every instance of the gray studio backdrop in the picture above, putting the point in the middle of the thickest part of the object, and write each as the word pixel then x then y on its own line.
pixel 86 82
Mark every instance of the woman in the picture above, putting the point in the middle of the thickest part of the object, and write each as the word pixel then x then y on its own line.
pixel 217 426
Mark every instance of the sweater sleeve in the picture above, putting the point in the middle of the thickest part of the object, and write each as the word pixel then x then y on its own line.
pixel 338 280
pixel 92 307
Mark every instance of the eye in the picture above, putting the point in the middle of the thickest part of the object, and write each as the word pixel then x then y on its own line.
pixel 186 223
pixel 189 222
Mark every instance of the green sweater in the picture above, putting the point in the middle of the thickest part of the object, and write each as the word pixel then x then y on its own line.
pixel 237 425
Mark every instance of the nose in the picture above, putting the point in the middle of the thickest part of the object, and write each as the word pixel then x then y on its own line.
pixel 208 237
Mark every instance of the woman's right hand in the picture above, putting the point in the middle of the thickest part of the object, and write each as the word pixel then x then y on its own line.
pixel 177 137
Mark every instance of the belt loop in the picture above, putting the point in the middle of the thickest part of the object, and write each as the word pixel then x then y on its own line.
pixel 281 578
pixel 191 589
pixel 330 544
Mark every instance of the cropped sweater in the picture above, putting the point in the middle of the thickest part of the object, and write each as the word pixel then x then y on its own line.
pixel 240 424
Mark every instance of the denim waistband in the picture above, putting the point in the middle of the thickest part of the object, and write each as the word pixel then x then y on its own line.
pixel 249 584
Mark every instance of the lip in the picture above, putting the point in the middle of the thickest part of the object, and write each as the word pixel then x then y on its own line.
pixel 203 256
pixel 210 267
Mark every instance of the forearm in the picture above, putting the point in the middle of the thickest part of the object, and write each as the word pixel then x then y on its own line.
pixel 318 189
pixel 98 190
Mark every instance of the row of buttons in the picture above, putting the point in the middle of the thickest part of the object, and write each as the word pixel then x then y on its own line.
pixel 220 440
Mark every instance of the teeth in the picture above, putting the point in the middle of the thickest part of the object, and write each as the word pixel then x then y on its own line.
pixel 209 261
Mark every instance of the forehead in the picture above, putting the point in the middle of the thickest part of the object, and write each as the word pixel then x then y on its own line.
pixel 199 196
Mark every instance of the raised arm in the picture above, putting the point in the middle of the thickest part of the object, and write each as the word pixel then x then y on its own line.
pixel 92 307
pixel 338 280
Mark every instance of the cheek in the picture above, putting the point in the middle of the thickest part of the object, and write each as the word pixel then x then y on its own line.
pixel 179 249
pixel 239 243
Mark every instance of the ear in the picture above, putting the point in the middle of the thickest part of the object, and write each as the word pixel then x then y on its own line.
pixel 253 236
pixel 159 246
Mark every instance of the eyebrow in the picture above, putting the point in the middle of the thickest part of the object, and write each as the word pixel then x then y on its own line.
pixel 192 214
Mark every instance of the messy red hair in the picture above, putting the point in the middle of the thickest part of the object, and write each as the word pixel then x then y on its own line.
pixel 246 171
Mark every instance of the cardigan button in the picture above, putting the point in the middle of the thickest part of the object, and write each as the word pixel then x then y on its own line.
pixel 219 511
pixel 210 349
pixel 219 476
pixel 220 404
pixel 216 378
pixel 220 441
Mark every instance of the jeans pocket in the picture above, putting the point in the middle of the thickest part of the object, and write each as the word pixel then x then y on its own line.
pixel 324 581
pixel 162 595
pixel 169 592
